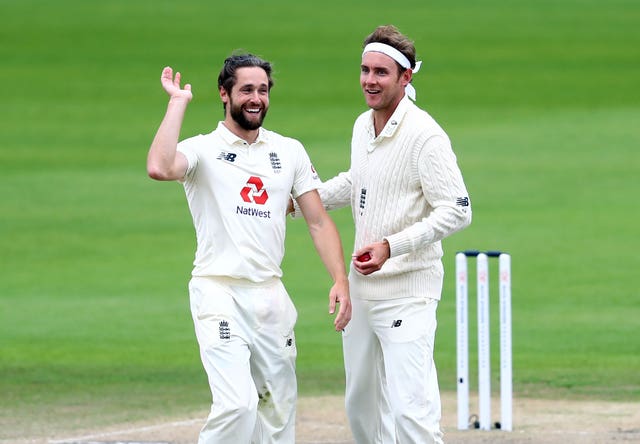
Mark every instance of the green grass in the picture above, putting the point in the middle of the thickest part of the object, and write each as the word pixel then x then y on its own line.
pixel 541 101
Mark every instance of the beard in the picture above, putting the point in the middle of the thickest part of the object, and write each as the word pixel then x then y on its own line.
pixel 238 115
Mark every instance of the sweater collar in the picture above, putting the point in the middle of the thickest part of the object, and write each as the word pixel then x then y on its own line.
pixel 392 124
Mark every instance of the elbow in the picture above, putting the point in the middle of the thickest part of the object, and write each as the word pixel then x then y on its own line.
pixel 156 173
pixel 466 219
pixel 461 219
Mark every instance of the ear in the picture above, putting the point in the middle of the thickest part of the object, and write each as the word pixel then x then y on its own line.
pixel 223 95
pixel 406 76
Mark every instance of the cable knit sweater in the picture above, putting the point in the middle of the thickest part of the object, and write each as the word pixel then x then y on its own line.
pixel 403 186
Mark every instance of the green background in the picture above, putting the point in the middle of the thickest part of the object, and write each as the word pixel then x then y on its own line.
pixel 541 101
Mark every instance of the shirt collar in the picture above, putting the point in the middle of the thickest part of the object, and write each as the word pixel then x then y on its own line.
pixel 232 139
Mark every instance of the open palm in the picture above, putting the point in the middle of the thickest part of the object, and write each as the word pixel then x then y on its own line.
pixel 171 85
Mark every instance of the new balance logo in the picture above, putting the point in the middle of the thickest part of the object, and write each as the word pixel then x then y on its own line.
pixel 462 201
pixel 396 323
pixel 289 342
pixel 229 157
pixel 225 331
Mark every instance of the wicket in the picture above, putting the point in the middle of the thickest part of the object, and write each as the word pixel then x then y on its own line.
pixel 462 335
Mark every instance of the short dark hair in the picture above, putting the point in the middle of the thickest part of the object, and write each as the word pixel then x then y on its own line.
pixel 390 35
pixel 227 77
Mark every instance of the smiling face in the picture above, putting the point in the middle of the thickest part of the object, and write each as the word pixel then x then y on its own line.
pixel 247 104
pixel 382 82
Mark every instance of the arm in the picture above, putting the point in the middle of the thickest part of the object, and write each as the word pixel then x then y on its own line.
pixel 164 162
pixel 327 242
pixel 444 189
pixel 335 193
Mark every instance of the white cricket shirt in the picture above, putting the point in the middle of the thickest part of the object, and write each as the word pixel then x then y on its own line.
pixel 238 196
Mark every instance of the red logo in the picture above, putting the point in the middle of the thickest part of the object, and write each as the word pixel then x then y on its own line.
pixel 254 191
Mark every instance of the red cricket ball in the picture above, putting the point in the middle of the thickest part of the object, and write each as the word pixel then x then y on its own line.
pixel 364 257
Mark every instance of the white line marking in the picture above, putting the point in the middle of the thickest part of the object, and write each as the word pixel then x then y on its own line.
pixel 120 432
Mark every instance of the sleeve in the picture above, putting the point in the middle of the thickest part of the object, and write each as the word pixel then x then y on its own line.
pixel 334 193
pixel 188 148
pixel 306 178
pixel 444 189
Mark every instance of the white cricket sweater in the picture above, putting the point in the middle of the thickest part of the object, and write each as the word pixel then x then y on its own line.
pixel 404 186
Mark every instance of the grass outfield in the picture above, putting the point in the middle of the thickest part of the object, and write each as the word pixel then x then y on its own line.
pixel 541 101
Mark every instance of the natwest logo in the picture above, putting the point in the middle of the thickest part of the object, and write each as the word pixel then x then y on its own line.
pixel 254 191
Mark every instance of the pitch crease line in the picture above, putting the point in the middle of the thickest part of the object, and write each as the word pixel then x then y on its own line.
pixel 120 432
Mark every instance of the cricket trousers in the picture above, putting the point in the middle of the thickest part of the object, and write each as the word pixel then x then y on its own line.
pixel 392 394
pixel 247 346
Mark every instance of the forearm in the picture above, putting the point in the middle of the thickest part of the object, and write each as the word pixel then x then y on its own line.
pixel 326 240
pixel 442 222
pixel 161 160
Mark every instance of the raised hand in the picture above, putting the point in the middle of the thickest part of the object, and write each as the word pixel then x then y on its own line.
pixel 171 85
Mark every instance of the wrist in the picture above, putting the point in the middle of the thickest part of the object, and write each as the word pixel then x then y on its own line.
pixel 179 100
pixel 387 246
pixel 341 280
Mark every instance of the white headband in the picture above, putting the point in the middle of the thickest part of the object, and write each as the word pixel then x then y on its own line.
pixel 398 57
